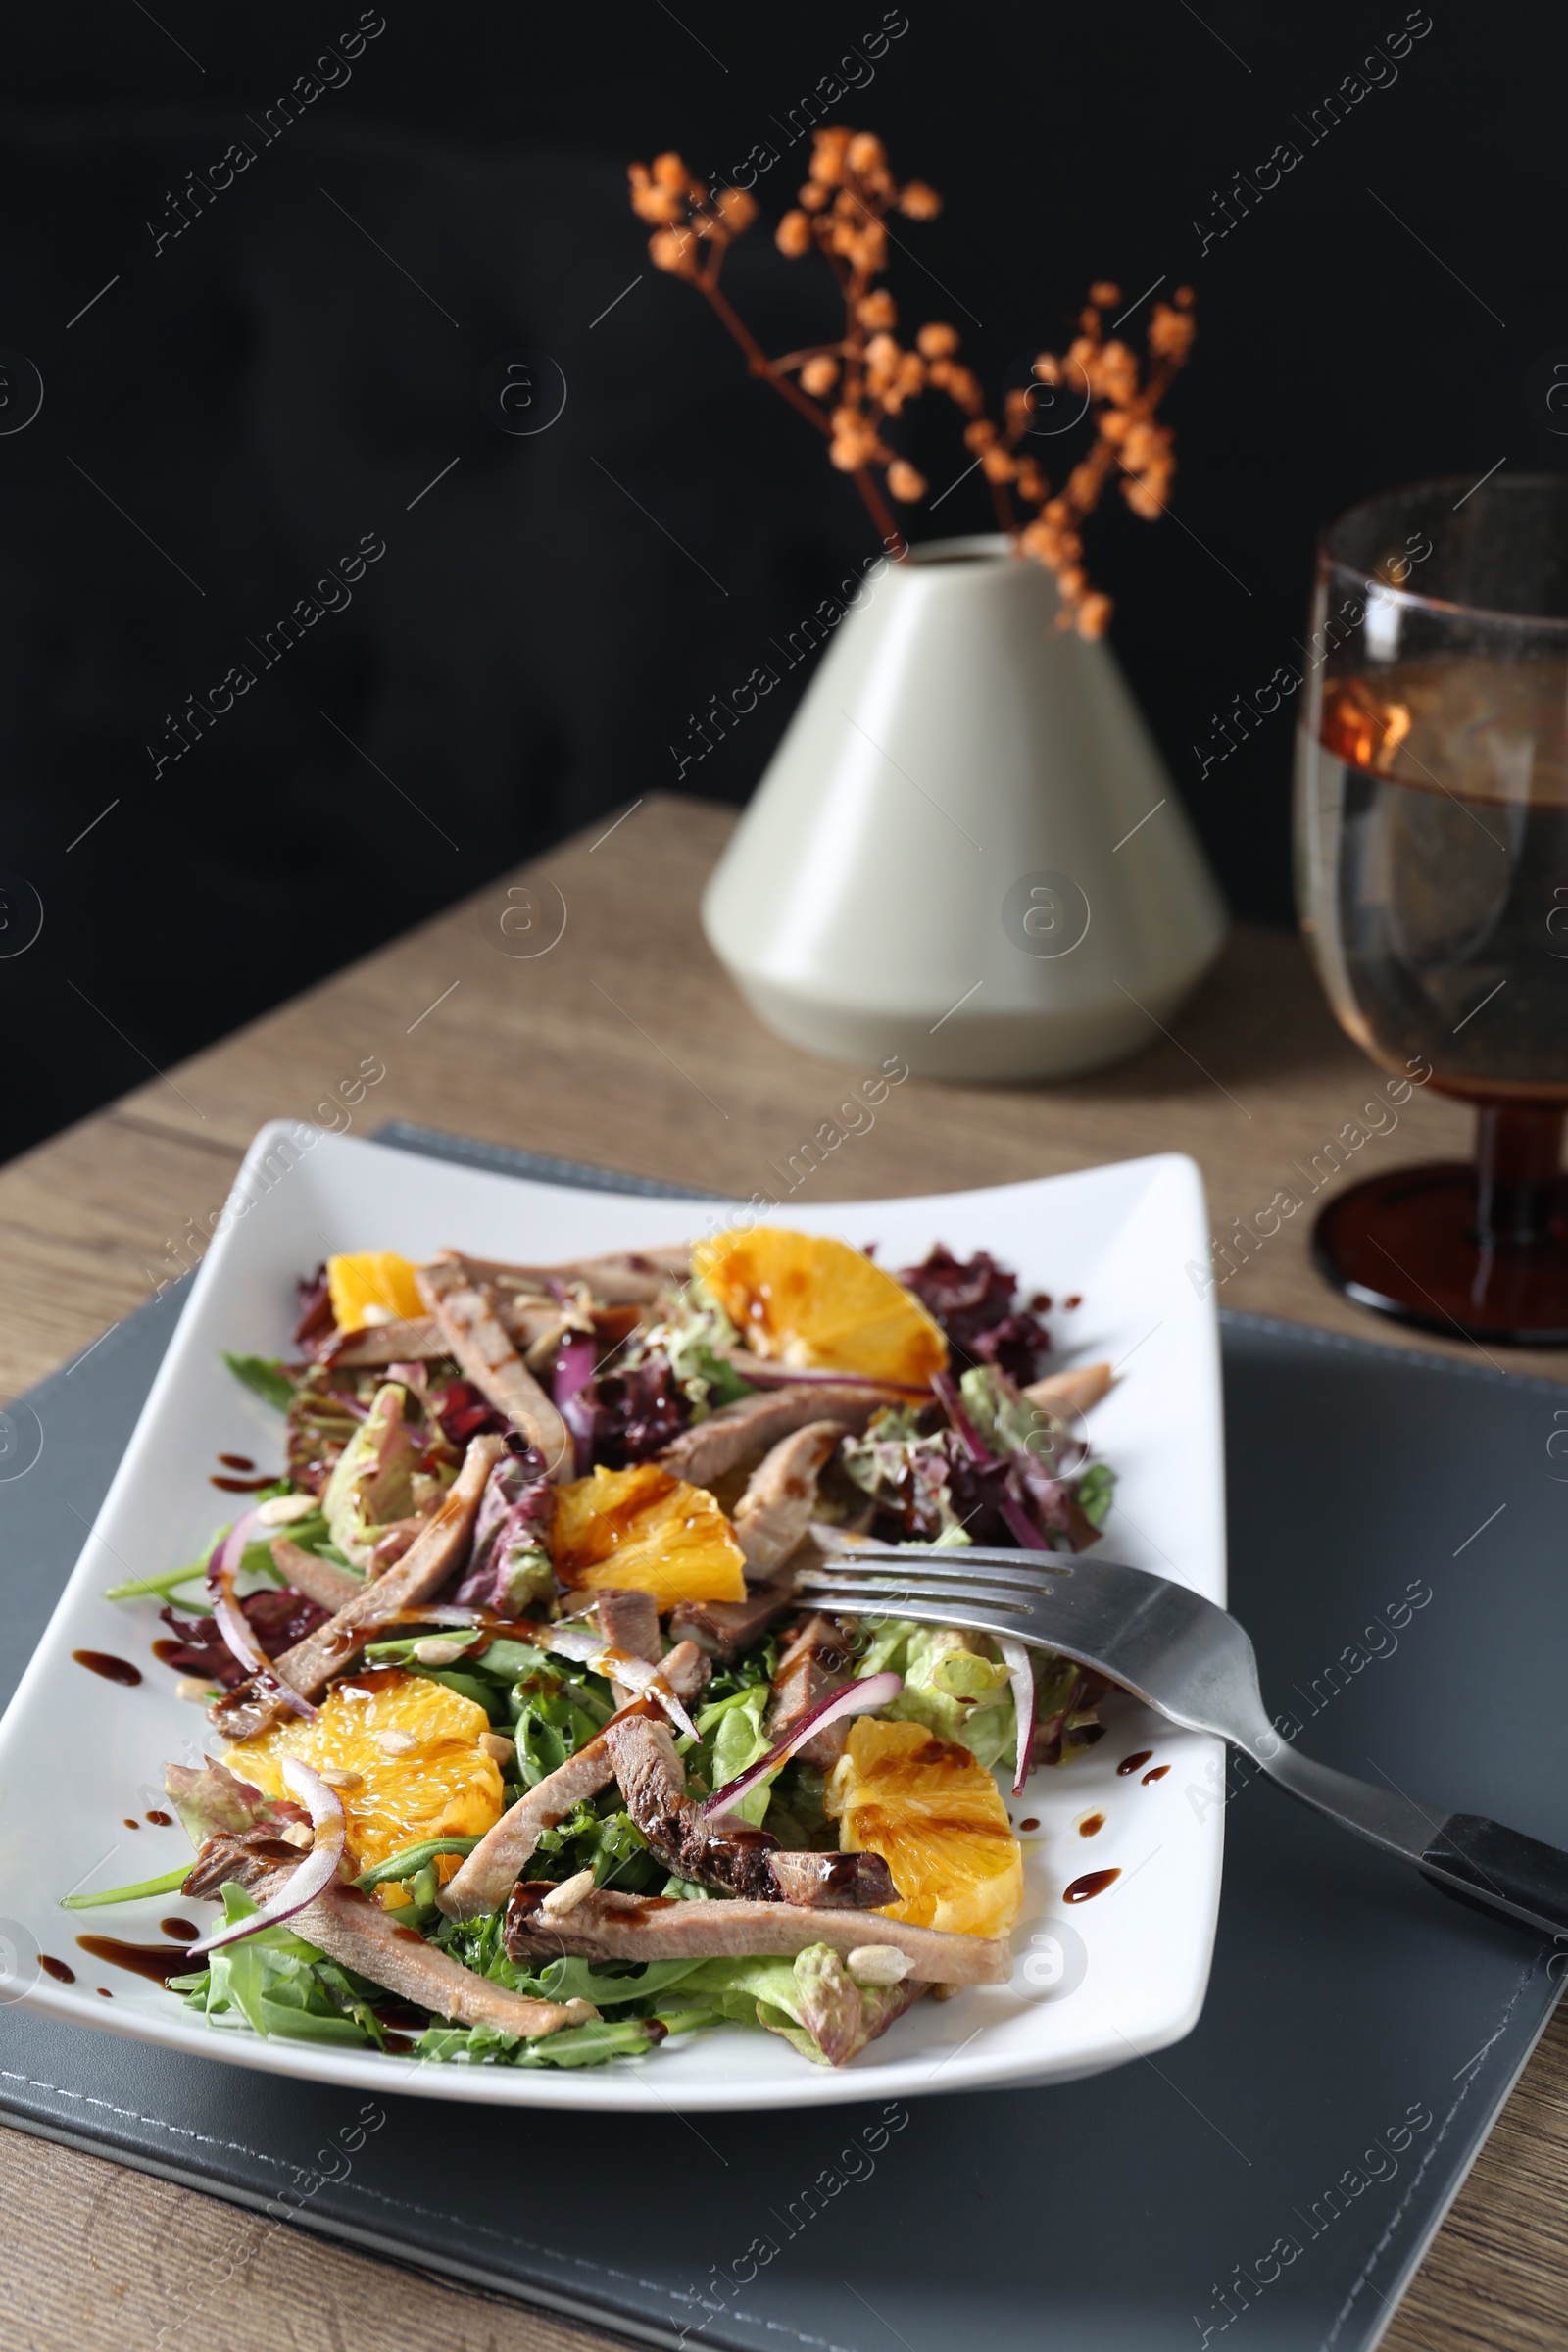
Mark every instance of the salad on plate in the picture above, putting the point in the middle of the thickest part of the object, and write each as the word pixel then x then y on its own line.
pixel 525 1754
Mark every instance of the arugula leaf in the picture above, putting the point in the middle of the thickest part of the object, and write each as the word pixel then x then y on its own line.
pixel 607 1984
pixel 554 1713
pixel 609 1843
pixel 266 1376
pixel 592 2044
pixel 276 1982
pixel 610 1986
pixel 752 1666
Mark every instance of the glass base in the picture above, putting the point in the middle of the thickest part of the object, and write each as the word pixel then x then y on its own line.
pixel 1408 1245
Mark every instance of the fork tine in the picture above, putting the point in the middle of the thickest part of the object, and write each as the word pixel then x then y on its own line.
pixel 998 1622
pixel 858 1549
pixel 904 1572
pixel 957 1568
pixel 974 1582
pixel 956 1560
pixel 1002 1554
pixel 889 1600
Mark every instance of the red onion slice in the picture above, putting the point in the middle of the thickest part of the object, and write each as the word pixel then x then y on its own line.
pixel 574 1365
pixel 636 1674
pixel 459 1613
pixel 1029 1537
pixel 617 1666
pixel 575 1642
pixel 855 1698
pixel 1021 1672
pixel 233 1624
pixel 317 1869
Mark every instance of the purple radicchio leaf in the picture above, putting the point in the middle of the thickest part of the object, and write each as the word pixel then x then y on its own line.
pixel 512 1528
pixel 973 1302
pixel 214 1803
pixel 1020 1526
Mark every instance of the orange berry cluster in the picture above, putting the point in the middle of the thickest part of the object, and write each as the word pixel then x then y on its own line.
pixel 851 387
pixel 1121 402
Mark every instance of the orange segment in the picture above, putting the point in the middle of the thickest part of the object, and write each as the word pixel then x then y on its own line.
pixel 644 1532
pixel 936 1819
pixel 816 1304
pixel 443 1786
pixel 377 1279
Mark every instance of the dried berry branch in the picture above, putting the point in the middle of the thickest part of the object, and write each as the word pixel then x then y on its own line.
pixel 870 376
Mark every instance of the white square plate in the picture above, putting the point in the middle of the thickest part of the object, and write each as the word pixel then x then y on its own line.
pixel 1092 1985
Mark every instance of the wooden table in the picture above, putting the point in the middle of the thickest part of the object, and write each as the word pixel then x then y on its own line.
pixel 625 1045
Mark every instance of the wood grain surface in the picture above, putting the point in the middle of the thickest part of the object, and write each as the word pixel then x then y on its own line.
pixel 623 1043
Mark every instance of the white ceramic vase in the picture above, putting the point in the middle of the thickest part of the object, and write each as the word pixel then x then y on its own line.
pixel 966 849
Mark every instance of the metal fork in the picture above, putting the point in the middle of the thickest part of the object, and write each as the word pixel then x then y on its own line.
pixel 1193 1664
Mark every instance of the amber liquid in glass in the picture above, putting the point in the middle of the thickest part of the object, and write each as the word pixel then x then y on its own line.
pixel 1436 891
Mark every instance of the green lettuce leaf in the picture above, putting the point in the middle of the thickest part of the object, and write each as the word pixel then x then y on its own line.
pixel 1009 1424
pixel 812 2001
pixel 731 1739
pixel 372 1482
pixel 697 1348
pixel 951 1685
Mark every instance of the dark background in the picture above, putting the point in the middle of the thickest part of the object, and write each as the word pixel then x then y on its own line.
pixel 239 409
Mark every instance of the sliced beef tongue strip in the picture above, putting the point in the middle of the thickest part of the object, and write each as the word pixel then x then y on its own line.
pixel 351 1928
pixel 432 1557
pixel 465 1315
pixel 724 1628
pixel 757 1423
pixel 772 1522
pixel 819 1660
pixel 245 1856
pixel 606 1926
pixel 497 1862
pixel 319 1580
pixel 833 1882
pixel 729 1854
pixel 652 1783
pixel 629 1621
pixel 775 1512
pixel 621 1278
pixel 408 1339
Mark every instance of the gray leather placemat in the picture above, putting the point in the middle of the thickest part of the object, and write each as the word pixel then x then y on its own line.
pixel 1271 2181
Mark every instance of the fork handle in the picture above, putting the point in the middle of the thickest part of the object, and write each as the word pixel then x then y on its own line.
pixel 1486 1863
pixel 1477 1861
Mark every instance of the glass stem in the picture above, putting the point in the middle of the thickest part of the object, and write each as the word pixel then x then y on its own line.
pixel 1518 1154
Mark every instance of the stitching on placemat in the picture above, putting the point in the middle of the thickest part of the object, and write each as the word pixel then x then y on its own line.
pixel 1397 2220
pixel 507 2238
pixel 205 2139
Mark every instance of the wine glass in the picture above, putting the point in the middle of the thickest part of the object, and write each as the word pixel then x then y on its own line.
pixel 1431 882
